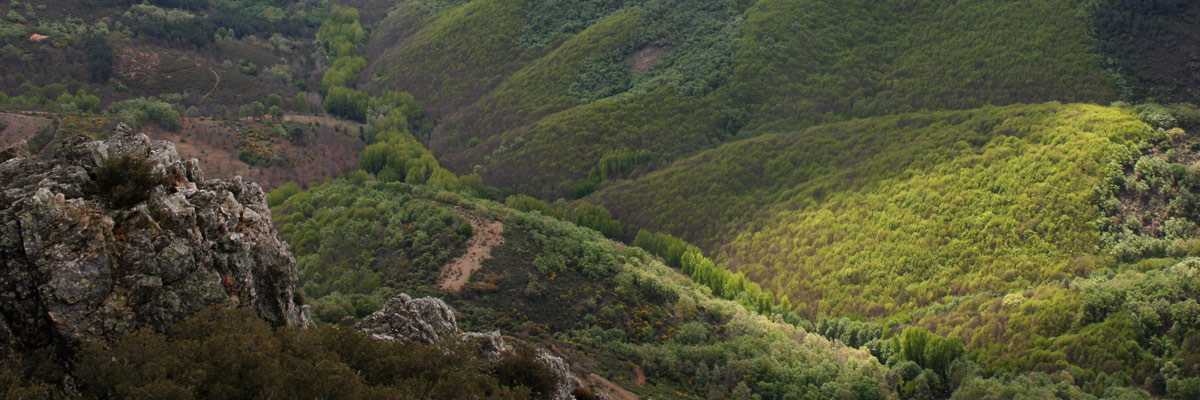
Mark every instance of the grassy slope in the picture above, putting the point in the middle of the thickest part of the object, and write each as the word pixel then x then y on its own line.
pixel 608 307
pixel 535 91
pixel 791 64
pixel 879 215
pixel 454 56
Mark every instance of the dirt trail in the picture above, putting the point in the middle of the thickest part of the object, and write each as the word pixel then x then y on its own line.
pixel 215 84
pixel 615 391
pixel 487 234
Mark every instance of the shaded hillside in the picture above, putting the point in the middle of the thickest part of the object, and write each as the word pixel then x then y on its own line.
pixel 1153 46
pixel 877 215
pixel 548 94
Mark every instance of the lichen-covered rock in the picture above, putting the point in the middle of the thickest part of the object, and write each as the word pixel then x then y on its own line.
pixel 75 267
pixel 562 374
pixel 491 344
pixel 429 320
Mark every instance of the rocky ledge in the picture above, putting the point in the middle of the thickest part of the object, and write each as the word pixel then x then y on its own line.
pixel 110 236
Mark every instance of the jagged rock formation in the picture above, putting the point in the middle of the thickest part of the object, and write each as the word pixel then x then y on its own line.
pixel 429 320
pixel 77 265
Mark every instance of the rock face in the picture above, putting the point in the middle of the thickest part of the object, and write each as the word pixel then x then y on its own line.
pixel 429 320
pixel 75 267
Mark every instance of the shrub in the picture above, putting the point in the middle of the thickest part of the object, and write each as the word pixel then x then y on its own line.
pixel 137 112
pixel 522 368
pixel 232 354
pixel 126 181
pixel 282 193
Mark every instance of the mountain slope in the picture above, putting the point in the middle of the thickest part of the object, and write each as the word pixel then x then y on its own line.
pixel 673 77
pixel 610 310
pixel 878 215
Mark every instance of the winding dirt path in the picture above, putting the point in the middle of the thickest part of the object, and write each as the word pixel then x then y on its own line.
pixel 215 84
pixel 479 249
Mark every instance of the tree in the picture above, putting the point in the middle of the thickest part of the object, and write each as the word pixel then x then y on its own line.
pixel 347 103
pixel 100 57
pixel 300 103
pixel 274 100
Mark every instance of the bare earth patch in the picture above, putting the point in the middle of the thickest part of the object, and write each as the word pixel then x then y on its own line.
pixel 330 148
pixel 644 59
pixel 18 127
pixel 479 249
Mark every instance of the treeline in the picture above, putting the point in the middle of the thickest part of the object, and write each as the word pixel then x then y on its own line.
pixel 341 34
pixel 198 22
pixel 137 112
pixel 612 165
pixel 723 283
pixel 674 251
pixel 392 154
pixel 53 97
pixel 584 214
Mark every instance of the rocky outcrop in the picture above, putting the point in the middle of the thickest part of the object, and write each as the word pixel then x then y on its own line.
pixel 429 320
pixel 562 375
pixel 75 265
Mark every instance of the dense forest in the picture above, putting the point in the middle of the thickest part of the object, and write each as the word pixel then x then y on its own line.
pixel 751 199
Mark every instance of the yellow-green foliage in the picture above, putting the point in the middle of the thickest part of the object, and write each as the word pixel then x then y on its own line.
pixel 396 156
pixel 1141 323
pixel 341 32
pixel 879 215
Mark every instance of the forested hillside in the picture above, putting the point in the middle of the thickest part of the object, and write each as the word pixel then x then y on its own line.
pixel 537 96
pixel 878 215
pixel 612 310
pixel 751 199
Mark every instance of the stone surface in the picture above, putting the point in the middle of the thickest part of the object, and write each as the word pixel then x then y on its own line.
pixel 429 320
pixel 73 268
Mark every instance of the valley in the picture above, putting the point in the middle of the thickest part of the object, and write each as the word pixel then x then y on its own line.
pixel 718 199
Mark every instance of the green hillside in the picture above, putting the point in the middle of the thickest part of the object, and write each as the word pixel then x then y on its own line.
pixel 611 309
pixel 1029 232
pixel 879 215
pixel 535 97
pixel 720 199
